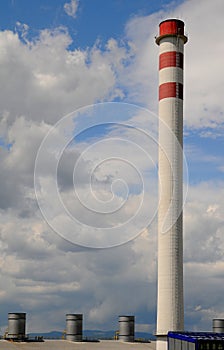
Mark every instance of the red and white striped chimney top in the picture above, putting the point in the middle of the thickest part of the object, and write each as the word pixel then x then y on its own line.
pixel 171 27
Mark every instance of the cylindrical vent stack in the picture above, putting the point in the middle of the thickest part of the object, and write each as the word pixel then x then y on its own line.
pixel 74 327
pixel 127 328
pixel 218 325
pixel 170 313
pixel 17 326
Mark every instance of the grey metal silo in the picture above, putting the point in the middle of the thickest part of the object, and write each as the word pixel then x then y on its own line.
pixel 127 328
pixel 218 325
pixel 17 325
pixel 74 327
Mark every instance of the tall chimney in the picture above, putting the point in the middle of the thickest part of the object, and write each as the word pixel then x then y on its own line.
pixel 170 305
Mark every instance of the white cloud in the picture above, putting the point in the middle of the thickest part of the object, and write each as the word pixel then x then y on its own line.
pixel 34 261
pixel 71 8
pixel 203 255
pixel 221 168
pixel 54 79
pixel 22 29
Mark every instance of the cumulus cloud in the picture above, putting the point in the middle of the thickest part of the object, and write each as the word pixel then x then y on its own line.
pixel 34 260
pixel 71 8
pixel 204 254
pixel 45 80
pixel 39 275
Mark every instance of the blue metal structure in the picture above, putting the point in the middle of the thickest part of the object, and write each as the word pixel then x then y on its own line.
pixel 195 341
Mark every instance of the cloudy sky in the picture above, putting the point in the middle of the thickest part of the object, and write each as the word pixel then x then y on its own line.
pixel 78 179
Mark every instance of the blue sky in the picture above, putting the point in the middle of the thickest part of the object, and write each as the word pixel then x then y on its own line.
pixel 57 57
pixel 95 19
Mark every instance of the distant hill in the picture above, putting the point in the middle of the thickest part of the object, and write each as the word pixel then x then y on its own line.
pixel 92 334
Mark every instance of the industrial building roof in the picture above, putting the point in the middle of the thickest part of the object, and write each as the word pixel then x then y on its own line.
pixel 197 336
pixel 67 345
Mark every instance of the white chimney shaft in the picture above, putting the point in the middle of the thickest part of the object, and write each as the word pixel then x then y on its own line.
pixel 170 309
